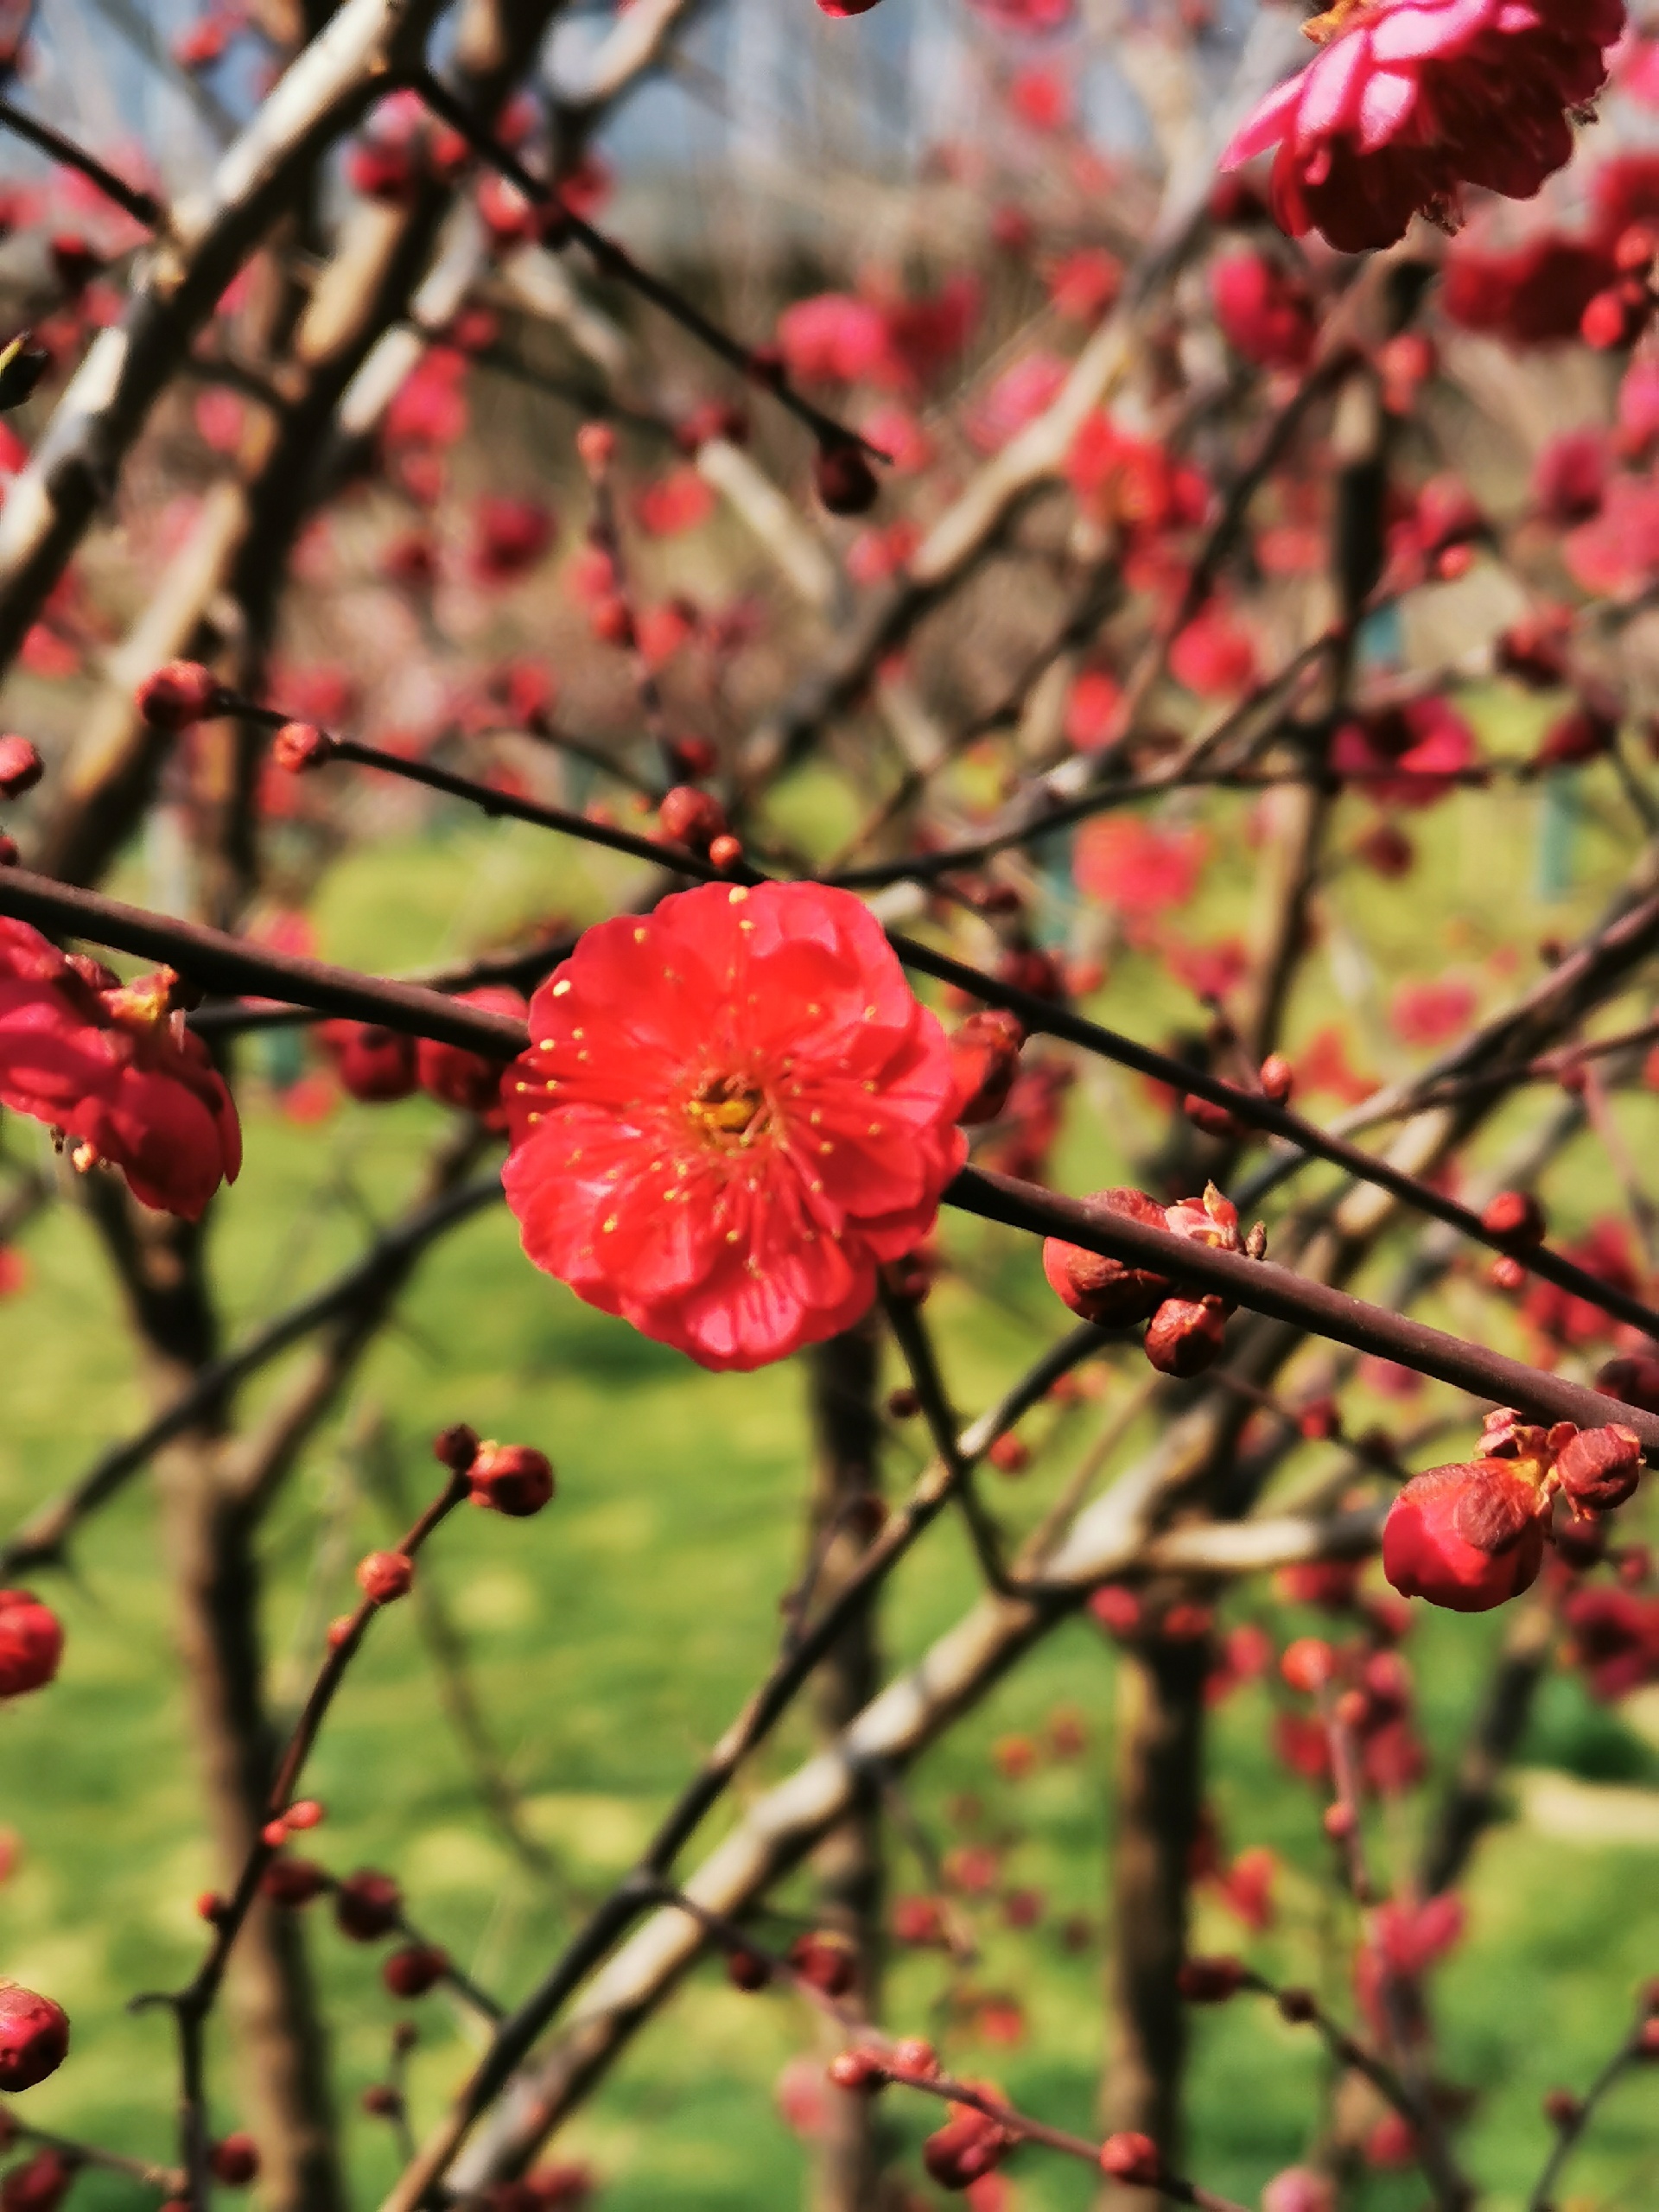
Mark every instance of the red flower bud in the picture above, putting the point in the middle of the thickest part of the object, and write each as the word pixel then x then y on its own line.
pixel 825 1962
pixel 512 1479
pixel 1562 2108
pixel 1109 1292
pixel 913 2060
pixel 1185 1335
pixel 1635 1380
pixel 415 1969
pixel 610 619
pixel 725 851
pixel 1278 1078
pixel 1214 1121
pixel 1132 2157
pixel 300 746
pixel 304 1813
pixel 1468 1537
pixel 843 479
pixel 374 1064
pixel 1516 1215
pixel 293 1881
pixel 861 2071
pixel 367 1905
pixel 690 816
pixel 1211 1981
pixel 384 1576
pixel 20 766
pixel 31 1643
pixel 456 1447
pixel 235 2160
pixel 984 1060
pixel 1601 1468
pixel 596 448
pixel 748 1970
pixel 33 2036
pixel 180 694
pixel 41 2185
pixel 381 2100
pixel 1308 1664
pixel 1298 2006
pixel 965 2149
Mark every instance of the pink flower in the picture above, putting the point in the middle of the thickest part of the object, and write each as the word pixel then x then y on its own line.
pixel 510 535
pixel 1405 756
pixel 1016 397
pixel 832 339
pixel 1411 100
pixel 108 1066
pixel 1126 863
pixel 734 1110
pixel 1091 710
pixel 1620 549
pixel 1430 1012
pixel 1214 656
pixel 1265 314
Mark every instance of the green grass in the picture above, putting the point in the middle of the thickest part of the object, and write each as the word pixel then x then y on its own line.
pixel 613 1636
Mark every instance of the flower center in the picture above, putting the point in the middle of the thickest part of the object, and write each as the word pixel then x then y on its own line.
pixel 728 1108
pixel 1335 20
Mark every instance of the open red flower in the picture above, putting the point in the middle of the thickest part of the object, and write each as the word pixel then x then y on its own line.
pixel 108 1065
pixel 1410 100
pixel 732 1111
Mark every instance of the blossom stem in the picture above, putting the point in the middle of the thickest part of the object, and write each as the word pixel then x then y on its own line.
pixel 142 206
pixel 1569 2135
pixel 616 262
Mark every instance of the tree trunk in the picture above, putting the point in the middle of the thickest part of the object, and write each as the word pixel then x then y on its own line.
pixel 277 2032
pixel 847 1433
pixel 1158 1790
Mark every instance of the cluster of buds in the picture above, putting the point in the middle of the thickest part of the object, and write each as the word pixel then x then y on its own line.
pixel 1184 1333
pixel 1277 1080
pixel 1621 311
pixel 512 1479
pixel 691 817
pixel 1471 1536
pixel 33 2036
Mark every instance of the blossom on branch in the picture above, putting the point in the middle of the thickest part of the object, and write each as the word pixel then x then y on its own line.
pixel 114 1068
pixel 1411 100
pixel 733 1111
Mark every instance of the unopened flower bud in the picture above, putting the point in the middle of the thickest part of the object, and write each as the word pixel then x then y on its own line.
pixel 33 2036
pixel 1339 1822
pixel 913 2060
pixel 1110 1292
pixel 1185 1335
pixel 864 2071
pixel 385 1575
pixel 415 1969
pixel 1562 2109
pixel 367 1905
pixel 725 851
pixel 1308 1664
pixel 180 694
pixel 1601 1468
pixel 1468 1537
pixel 31 1643
pixel 298 746
pixel 689 815
pixel 512 1479
pixel 825 1962
pixel 984 1061
pixel 1214 1121
pixel 843 479
pixel 1278 1078
pixel 1515 1216
pixel 456 1447
pixel 748 1970
pixel 20 766
pixel 967 2148
pixel 1298 2006
pixel 1507 1273
pixel 381 2100
pixel 610 619
pixel 1133 2158
pixel 304 1813
pixel 235 2160
pixel 1211 1981
pixel 293 1881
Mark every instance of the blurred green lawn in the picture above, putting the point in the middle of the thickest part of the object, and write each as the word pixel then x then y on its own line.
pixel 612 1637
